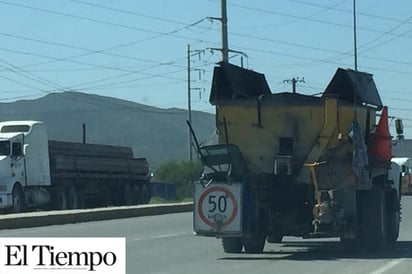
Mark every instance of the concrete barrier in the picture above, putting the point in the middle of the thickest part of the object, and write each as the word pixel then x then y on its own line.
pixel 46 218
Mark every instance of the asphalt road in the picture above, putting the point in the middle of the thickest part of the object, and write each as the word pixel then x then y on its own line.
pixel 166 244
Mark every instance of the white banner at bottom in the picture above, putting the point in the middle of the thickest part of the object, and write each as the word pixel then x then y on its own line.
pixel 62 255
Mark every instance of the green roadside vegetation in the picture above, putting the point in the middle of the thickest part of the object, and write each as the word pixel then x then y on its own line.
pixel 183 174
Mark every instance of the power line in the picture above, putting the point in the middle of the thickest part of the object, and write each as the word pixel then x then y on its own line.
pixel 193 24
pixel 390 39
pixel 90 51
pixel 95 65
pixel 167 84
pixel 307 19
pixel 145 60
pixel 248 36
pixel 314 60
pixel 134 80
pixel 19 83
pixel 21 97
pixel 348 11
pixel 383 33
pixel 128 12
pixel 172 34
pixel 31 76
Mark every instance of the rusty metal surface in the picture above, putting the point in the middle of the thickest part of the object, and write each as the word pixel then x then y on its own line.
pixel 233 82
pixel 346 83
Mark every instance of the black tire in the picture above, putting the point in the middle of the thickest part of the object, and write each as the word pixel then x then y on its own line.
pixel 374 221
pixel 232 245
pixel 73 198
pixel 137 195
pixel 255 244
pixel 128 195
pixel 393 217
pixel 146 195
pixel 60 198
pixel 275 238
pixel 256 240
pixel 19 202
pixel 276 235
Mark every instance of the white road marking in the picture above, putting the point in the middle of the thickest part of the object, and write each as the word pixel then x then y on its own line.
pixel 161 236
pixel 387 266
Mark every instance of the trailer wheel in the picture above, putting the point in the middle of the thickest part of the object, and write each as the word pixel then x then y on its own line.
pixel 137 199
pixel 232 244
pixel 128 195
pixel 393 217
pixel 19 203
pixel 373 213
pixel 60 198
pixel 73 199
pixel 145 198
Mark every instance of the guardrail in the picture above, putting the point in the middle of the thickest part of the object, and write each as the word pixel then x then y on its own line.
pixel 46 218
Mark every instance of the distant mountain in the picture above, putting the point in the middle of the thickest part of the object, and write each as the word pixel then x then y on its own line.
pixel 160 135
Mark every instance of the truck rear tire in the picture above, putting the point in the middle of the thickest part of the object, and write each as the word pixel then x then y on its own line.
pixel 60 198
pixel 393 216
pixel 275 235
pixel 145 198
pixel 275 238
pixel 255 242
pixel 232 244
pixel 19 203
pixel 73 199
pixel 374 221
pixel 128 195
pixel 137 195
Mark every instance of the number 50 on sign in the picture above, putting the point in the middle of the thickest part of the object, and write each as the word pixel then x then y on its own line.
pixel 218 209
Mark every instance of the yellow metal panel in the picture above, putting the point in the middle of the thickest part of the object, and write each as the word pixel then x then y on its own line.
pixel 319 132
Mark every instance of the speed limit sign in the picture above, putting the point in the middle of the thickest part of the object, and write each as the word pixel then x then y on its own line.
pixel 218 209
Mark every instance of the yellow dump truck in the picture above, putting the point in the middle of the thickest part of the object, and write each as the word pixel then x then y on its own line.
pixel 288 164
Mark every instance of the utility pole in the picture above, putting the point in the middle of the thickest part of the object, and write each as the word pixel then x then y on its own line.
pixel 225 43
pixel 191 53
pixel 354 36
pixel 84 133
pixel 355 54
pixel 189 107
pixel 294 81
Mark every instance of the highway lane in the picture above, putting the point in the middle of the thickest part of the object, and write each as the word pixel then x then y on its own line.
pixel 166 244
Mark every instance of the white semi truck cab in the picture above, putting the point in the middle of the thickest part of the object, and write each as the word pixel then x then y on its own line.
pixel 38 173
pixel 24 164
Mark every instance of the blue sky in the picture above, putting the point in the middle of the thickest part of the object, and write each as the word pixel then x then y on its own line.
pixel 137 50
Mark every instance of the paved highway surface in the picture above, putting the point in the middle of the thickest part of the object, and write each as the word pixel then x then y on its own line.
pixel 166 244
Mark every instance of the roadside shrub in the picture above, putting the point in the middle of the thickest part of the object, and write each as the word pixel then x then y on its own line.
pixel 182 174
